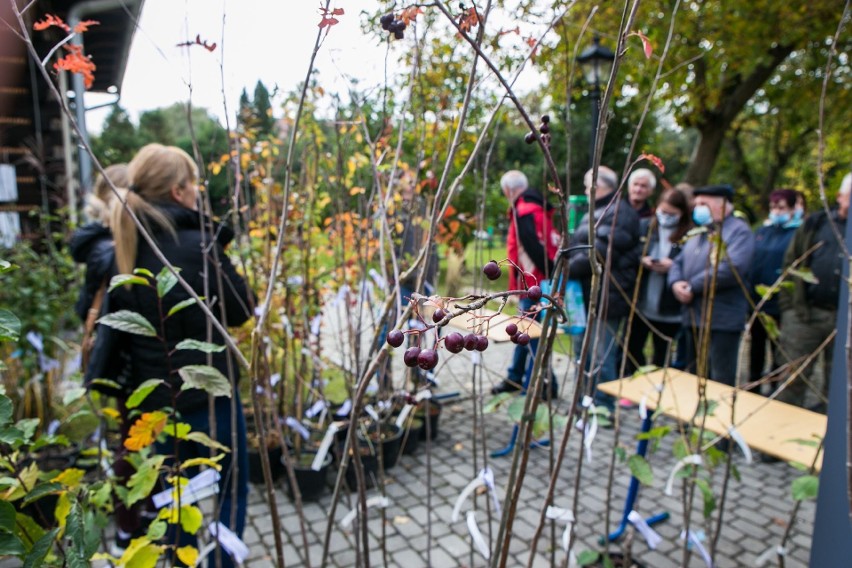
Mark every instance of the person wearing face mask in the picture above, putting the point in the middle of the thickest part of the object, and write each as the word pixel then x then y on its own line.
pixel 697 275
pixel 656 302
pixel 770 243
pixel 809 309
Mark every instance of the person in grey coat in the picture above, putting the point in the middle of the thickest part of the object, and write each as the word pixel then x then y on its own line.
pixel 694 283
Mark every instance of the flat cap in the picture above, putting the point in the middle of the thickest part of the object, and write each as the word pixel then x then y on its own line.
pixel 721 190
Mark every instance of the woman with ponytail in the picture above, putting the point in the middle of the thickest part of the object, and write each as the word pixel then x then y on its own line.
pixel 163 195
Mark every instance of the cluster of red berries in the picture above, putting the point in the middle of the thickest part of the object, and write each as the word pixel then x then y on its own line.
pixel 518 337
pixel 543 129
pixel 391 24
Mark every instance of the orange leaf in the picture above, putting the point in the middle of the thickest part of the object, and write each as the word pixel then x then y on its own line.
pixel 84 26
pixel 50 20
pixel 410 14
pixel 654 160
pixel 145 430
pixel 328 22
pixel 469 20
pixel 76 62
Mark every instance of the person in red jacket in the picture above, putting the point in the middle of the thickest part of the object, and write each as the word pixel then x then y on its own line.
pixel 531 244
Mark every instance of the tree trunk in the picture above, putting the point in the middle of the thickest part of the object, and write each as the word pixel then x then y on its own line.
pixel 707 148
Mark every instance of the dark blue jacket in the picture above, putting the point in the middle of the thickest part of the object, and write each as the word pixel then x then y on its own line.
pixel 770 244
pixel 92 245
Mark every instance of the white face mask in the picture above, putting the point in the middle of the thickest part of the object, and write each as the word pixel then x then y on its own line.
pixel 667 219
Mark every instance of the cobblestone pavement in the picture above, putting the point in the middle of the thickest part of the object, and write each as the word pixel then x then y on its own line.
pixel 416 529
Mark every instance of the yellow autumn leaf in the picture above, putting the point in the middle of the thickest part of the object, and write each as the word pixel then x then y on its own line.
pixel 111 413
pixel 70 477
pixel 145 430
pixel 215 169
pixel 209 462
pixel 399 228
pixel 357 191
pixel 188 555
pixel 63 507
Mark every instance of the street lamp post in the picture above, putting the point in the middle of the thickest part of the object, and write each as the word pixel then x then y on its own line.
pixel 596 62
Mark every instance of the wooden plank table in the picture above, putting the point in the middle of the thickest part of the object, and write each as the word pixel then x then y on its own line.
pixel 496 326
pixel 767 425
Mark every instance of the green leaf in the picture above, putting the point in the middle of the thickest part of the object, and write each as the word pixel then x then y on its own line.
pixel 11 435
pixel 190 518
pixel 144 272
pixel 166 280
pixel 7 517
pixel 206 378
pixel 6 266
pixel 120 280
pixel 805 274
pixel 607 562
pixel 516 408
pixel 40 491
pixel 105 383
pixel 72 395
pixel 143 481
pixel 770 325
pixel 200 346
pixel 707 494
pixel 641 469
pixel 205 440
pixel 157 530
pixel 496 402
pixel 644 370
pixel 10 326
pixel 621 454
pixel 142 392
pixel 181 305
pixel 800 466
pixel 706 407
pixel 178 430
pixel 40 549
pixel 588 557
pixel 27 426
pixel 11 545
pixel 654 433
pixel 130 322
pixel 805 488
pixel 5 409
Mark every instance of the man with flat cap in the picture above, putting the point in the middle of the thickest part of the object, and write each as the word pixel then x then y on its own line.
pixel 697 275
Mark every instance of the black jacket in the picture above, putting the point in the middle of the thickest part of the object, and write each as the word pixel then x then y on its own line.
pixel 92 245
pixel 624 236
pixel 150 357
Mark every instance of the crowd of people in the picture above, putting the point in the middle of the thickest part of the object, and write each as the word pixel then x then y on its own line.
pixel 691 267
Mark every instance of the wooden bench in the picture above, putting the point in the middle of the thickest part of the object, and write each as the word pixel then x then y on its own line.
pixel 765 424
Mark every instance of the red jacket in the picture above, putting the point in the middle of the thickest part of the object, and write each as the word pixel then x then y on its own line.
pixel 533 238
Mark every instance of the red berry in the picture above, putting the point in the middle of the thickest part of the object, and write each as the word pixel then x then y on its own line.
pixel 410 356
pixel 534 293
pixel 514 338
pixel 492 270
pixel 544 129
pixel 438 315
pixel 523 339
pixel 454 342
pixel 481 343
pixel 395 338
pixel 530 138
pixel 470 341
pixel 427 359
pixel 511 329
pixel 545 118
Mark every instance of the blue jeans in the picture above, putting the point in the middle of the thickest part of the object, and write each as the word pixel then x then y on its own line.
pixel 601 361
pixel 200 422
pixel 517 372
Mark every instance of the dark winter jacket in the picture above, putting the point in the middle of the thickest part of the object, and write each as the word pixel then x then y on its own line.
pixel 695 264
pixel 92 245
pixel 770 244
pixel 665 303
pixel 231 304
pixel 826 262
pixel 624 236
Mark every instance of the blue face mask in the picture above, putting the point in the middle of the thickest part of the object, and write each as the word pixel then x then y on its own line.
pixel 667 219
pixel 798 214
pixel 701 215
pixel 779 218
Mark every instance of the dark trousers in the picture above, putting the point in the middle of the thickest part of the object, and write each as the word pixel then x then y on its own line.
pixel 200 422
pixel 759 337
pixel 722 359
pixel 639 332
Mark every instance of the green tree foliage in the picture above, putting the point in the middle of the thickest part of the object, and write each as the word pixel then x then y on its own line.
pixel 262 110
pixel 722 55
pixel 118 140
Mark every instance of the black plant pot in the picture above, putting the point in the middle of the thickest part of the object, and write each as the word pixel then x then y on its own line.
pixel 311 483
pixel 256 464
pixel 371 468
pixel 435 409
pixel 411 438
pixel 388 438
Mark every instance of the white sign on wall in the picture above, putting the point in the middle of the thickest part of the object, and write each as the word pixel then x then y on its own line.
pixel 10 221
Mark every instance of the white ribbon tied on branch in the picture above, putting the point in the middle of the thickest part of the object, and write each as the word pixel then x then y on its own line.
pixel 651 536
pixel 694 459
pixel 378 501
